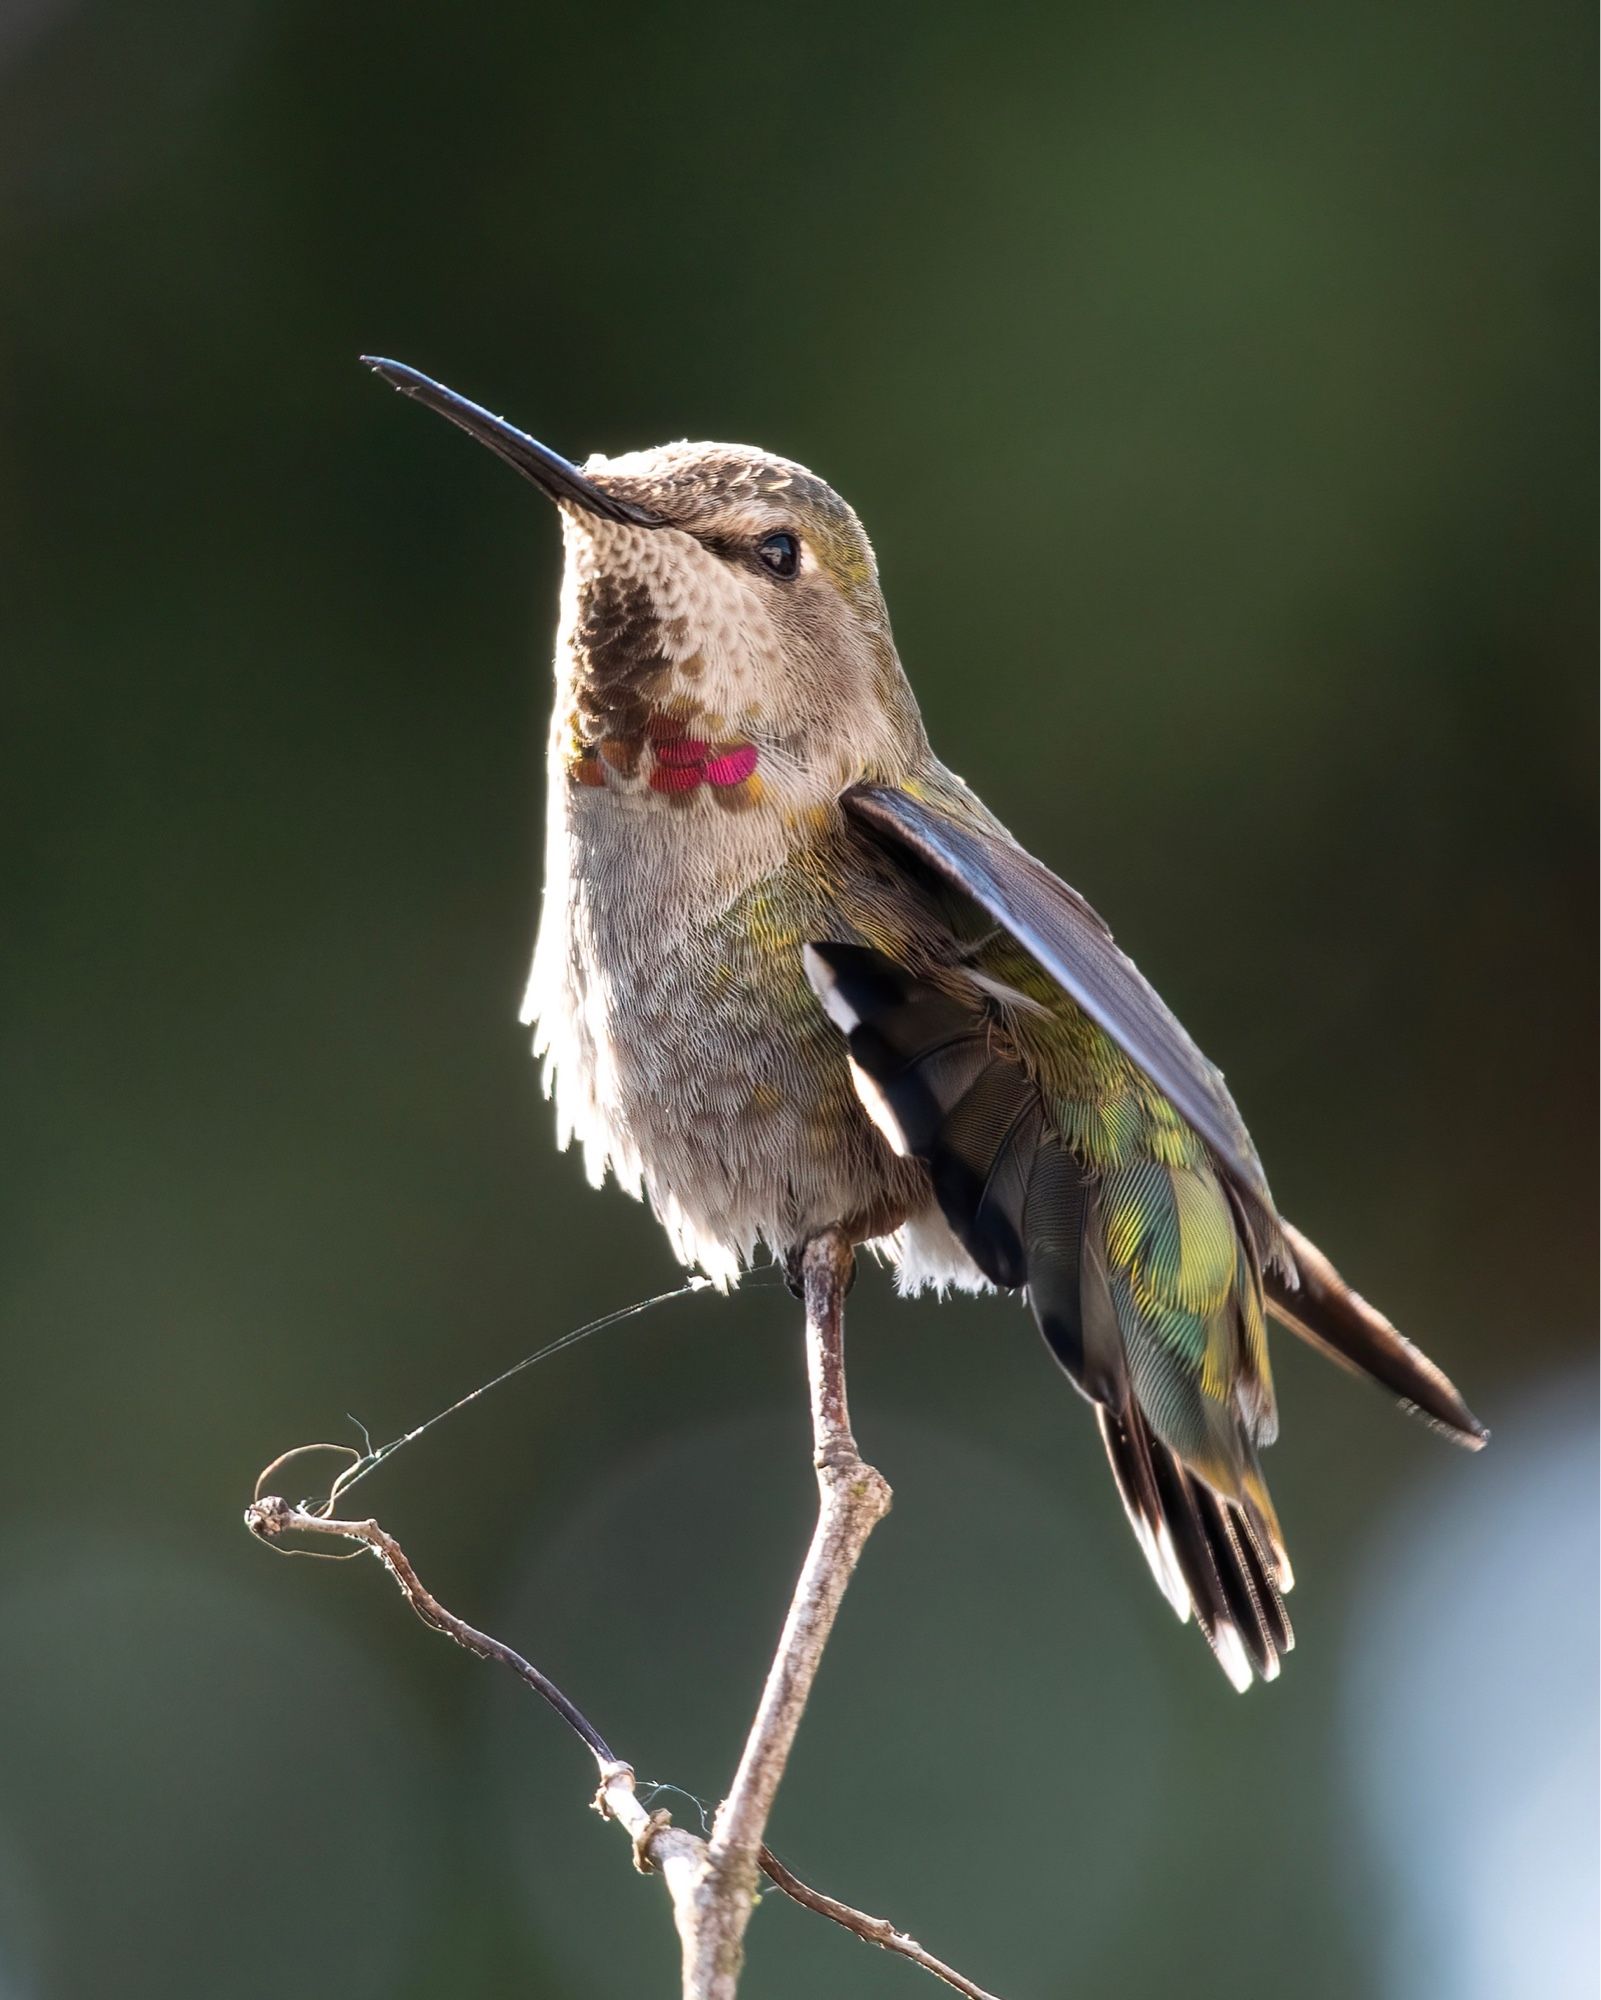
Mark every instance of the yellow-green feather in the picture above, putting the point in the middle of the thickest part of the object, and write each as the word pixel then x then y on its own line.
pixel 1186 1285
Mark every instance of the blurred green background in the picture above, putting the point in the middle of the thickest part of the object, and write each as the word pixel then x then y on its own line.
pixel 1217 386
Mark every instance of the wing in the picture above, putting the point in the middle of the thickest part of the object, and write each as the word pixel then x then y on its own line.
pixel 1340 1323
pixel 1135 1262
pixel 1083 1149
pixel 1057 926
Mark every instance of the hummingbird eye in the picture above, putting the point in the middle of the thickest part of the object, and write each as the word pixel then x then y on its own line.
pixel 780 553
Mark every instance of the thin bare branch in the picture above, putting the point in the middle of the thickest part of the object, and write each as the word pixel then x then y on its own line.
pixel 711 1883
pixel 871 1930
pixel 270 1518
pixel 852 1498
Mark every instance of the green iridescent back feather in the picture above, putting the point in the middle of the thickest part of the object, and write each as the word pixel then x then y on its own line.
pixel 1185 1280
pixel 1064 1170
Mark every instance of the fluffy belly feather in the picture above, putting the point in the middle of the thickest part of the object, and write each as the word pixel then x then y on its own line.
pixel 691 1059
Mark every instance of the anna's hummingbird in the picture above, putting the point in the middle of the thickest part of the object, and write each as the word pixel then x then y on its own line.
pixel 792 973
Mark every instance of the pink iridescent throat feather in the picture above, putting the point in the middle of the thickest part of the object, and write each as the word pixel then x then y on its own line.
pixel 672 762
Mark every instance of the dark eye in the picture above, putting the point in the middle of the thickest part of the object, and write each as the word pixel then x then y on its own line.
pixel 780 553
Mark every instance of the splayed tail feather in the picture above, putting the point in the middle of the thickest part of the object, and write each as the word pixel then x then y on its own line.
pixel 1206 1553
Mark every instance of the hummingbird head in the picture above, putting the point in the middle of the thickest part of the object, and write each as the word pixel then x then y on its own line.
pixel 721 614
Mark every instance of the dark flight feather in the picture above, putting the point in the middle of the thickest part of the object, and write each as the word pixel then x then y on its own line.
pixel 1073 944
pixel 1135 1214
pixel 1069 1289
pixel 1060 929
pixel 1325 1311
pixel 1031 1215
pixel 1015 1196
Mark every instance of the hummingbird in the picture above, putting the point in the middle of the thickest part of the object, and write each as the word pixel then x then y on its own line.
pixel 793 974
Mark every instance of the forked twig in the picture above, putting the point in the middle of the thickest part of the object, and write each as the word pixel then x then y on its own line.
pixel 711 1882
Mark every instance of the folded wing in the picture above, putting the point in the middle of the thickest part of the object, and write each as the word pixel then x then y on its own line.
pixel 1081 1148
pixel 1070 940
pixel 1065 935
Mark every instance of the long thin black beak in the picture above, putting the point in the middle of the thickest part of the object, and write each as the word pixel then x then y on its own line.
pixel 549 471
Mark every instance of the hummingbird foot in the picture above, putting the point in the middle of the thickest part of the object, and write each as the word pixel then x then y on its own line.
pixel 792 1263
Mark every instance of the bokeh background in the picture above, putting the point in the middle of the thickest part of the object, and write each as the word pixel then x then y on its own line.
pixel 1217 385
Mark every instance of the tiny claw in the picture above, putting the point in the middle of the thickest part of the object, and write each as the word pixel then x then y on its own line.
pixel 794 1283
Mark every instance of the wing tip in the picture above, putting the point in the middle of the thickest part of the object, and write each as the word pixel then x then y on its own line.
pixel 1316 1303
pixel 1462 1428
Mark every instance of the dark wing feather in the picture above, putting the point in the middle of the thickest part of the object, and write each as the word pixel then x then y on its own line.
pixel 1339 1322
pixel 1056 925
pixel 1059 928
pixel 1030 1214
